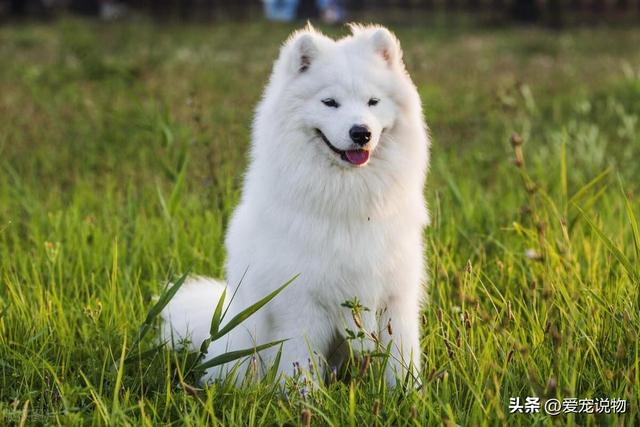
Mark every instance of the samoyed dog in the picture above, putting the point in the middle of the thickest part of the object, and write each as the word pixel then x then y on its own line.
pixel 334 194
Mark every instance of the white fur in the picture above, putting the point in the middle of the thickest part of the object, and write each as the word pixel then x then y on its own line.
pixel 188 314
pixel 348 231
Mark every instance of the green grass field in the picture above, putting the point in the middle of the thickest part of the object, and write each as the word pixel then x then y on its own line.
pixel 122 149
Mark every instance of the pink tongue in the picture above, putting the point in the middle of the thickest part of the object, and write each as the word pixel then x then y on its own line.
pixel 357 157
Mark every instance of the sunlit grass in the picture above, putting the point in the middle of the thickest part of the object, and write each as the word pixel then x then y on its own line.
pixel 121 156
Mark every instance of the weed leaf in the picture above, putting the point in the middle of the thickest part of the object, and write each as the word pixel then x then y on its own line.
pixel 234 355
pixel 158 307
pixel 246 313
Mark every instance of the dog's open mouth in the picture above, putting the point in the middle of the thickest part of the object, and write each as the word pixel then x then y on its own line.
pixel 356 157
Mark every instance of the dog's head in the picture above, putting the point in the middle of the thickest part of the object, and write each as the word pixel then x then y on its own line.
pixel 340 130
pixel 339 98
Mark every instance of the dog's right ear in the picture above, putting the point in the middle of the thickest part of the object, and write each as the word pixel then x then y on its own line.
pixel 302 49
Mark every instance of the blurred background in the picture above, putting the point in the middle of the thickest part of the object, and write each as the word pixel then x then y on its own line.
pixel 550 12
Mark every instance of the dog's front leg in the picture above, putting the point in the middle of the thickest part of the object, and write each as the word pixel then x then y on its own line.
pixel 303 354
pixel 400 326
pixel 298 360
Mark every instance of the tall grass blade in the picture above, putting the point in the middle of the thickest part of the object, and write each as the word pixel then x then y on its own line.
pixel 246 313
pixel 235 355
pixel 217 314
pixel 617 253
pixel 97 400
pixel 158 307
pixel 588 186
pixel 273 370
pixel 215 323
pixel 119 375
pixel 633 221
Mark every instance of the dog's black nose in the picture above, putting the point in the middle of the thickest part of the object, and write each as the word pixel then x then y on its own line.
pixel 360 134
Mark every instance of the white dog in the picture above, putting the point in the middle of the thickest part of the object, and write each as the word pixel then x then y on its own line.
pixel 334 193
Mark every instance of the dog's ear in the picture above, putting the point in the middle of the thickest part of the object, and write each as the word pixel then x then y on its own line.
pixel 305 51
pixel 384 43
pixel 387 45
pixel 303 48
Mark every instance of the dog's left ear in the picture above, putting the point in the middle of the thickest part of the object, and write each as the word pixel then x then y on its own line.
pixel 387 45
pixel 303 48
pixel 305 51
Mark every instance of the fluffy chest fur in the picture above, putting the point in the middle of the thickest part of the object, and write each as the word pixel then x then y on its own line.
pixel 362 256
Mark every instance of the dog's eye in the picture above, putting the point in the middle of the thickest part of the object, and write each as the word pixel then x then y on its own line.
pixel 373 101
pixel 330 102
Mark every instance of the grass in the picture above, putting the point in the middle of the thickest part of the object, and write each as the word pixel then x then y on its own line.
pixel 121 156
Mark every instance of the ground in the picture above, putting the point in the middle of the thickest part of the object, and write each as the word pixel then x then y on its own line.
pixel 122 149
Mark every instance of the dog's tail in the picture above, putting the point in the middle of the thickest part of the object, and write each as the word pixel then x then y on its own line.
pixel 186 320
